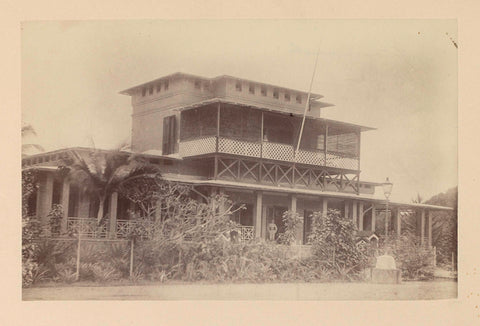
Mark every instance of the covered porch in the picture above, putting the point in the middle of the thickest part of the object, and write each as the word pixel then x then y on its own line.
pixel 235 129
pixel 261 205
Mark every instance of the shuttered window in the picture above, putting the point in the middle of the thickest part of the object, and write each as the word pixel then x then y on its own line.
pixel 169 135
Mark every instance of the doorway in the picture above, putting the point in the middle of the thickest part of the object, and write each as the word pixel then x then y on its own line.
pixel 275 213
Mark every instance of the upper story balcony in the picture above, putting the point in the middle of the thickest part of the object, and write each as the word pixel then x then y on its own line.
pixel 244 131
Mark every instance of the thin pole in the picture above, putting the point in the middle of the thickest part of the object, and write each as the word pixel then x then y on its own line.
pixel 307 106
pixel 131 258
pixel 386 221
pixel 78 257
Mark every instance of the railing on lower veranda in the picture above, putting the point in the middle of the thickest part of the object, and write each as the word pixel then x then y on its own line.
pixel 246 233
pixel 87 227
pixel 267 150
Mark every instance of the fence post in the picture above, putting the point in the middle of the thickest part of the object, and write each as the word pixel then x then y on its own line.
pixel 131 258
pixel 78 256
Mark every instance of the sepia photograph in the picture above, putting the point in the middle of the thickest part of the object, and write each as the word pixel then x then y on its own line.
pixel 239 159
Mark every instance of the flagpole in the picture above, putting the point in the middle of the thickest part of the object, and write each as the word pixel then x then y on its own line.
pixel 307 106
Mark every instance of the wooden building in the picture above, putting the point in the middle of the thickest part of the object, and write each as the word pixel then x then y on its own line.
pixel 239 137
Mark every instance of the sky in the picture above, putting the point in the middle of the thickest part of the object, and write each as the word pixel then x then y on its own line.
pixel 399 76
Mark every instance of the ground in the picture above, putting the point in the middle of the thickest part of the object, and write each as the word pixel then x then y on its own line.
pixel 441 289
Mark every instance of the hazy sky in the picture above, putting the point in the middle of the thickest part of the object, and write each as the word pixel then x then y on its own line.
pixel 397 76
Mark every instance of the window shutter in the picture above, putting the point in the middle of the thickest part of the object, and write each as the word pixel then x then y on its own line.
pixel 169 135
pixel 173 132
pixel 166 133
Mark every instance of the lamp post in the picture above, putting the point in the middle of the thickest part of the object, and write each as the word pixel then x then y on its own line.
pixel 387 190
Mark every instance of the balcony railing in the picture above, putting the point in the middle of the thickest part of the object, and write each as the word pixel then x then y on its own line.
pixel 267 150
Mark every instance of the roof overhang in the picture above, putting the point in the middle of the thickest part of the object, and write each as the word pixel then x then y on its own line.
pixel 340 195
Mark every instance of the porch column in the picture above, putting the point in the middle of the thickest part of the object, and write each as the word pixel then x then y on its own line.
pixel 324 206
pixel 44 197
pixel 347 206
pixel 422 227
pixel 257 211
pixel 399 223
pixel 292 203
pixel 374 217
pixel 292 206
pixel 221 207
pixel 354 212
pixel 429 233
pixel 65 202
pixel 360 216
pixel 113 215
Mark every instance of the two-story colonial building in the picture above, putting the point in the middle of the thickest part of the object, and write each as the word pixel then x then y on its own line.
pixel 239 137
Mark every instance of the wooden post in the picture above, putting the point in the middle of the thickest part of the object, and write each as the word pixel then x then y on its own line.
pixel 261 139
pixel 215 167
pixel 258 213
pixel 218 127
pixel 324 206
pixel 399 223
pixel 374 217
pixel 354 212
pixel 65 202
pixel 292 204
pixel 429 232
pixel 422 228
pixel 113 215
pixel 360 216
pixel 347 205
pixel 325 144
pixel 131 257
pixel 78 256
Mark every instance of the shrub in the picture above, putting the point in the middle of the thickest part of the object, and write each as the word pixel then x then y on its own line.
pixel 292 221
pixel 414 260
pixel 333 242
pixel 55 219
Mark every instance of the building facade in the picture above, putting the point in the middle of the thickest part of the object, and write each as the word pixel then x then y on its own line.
pixel 239 138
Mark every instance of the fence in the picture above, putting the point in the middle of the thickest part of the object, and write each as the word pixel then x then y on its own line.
pixel 80 240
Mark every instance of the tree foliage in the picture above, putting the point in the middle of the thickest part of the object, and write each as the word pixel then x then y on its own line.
pixel 333 241
pixel 100 173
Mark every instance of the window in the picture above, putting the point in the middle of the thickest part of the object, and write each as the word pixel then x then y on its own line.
pixel 197 84
pixel 144 91
pixel 287 97
pixel 263 91
pixel 166 84
pixel 275 93
pixel 320 142
pixel 159 87
pixel 251 89
pixel 206 87
pixel 150 91
pixel 169 135
pixel 238 87
pixel 299 99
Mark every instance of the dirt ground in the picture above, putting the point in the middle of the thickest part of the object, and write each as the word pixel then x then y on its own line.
pixel 444 289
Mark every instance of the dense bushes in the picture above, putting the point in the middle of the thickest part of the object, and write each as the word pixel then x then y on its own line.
pixel 414 260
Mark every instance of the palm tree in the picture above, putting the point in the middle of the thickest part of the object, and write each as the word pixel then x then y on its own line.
pixel 100 173
pixel 27 129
